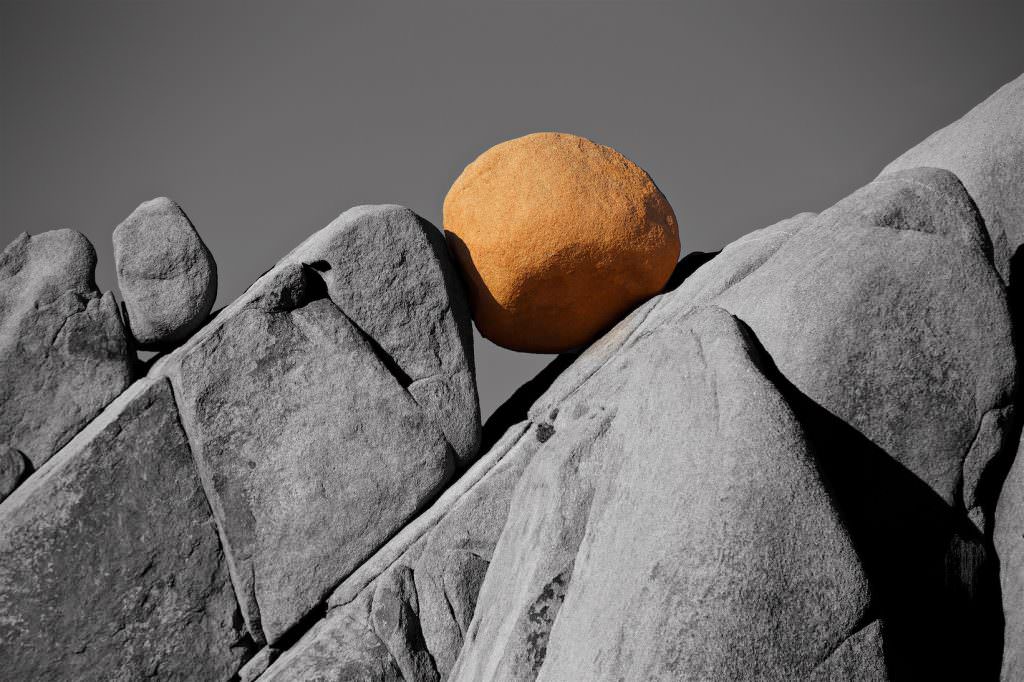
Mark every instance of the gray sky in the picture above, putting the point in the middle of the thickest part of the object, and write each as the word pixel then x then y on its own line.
pixel 266 120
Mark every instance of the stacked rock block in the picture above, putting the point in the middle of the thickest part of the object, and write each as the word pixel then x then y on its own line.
pixel 215 504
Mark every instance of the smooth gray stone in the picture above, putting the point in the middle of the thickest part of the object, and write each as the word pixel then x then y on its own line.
pixel 985 148
pixel 888 313
pixel 110 566
pixel 63 353
pixel 13 468
pixel 312 438
pixel 672 525
pixel 167 276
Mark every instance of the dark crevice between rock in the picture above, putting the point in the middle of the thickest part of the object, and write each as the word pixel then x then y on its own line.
pixel 933 577
pixel 300 627
pixel 385 358
pixel 316 289
pixel 250 642
pixel 517 407
pixel 686 266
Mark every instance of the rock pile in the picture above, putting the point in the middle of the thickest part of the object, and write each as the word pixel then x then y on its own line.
pixel 798 461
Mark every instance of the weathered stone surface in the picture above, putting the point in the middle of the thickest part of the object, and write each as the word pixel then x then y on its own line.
pixel 311 451
pixel 394 614
pixel 12 470
pixel 167 276
pixel 316 442
pixel 110 567
pixel 645 547
pixel 444 553
pixel 389 270
pixel 1009 542
pixel 63 354
pixel 886 323
pixel 985 149
pixel 557 237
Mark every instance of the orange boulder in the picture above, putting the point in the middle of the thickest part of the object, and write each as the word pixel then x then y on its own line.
pixel 557 238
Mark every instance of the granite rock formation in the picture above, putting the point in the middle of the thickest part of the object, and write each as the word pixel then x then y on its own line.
pixel 165 272
pixel 63 353
pixel 798 461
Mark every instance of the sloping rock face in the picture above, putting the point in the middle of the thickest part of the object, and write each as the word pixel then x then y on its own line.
pixel 319 429
pixel 110 567
pixel 985 149
pixel 684 527
pixel 63 354
pixel 165 272
pixel 875 328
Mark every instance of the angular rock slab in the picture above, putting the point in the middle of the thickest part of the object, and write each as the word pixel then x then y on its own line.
pixel 985 148
pixel 63 353
pixel 389 270
pixel 701 546
pixel 319 433
pixel 167 276
pixel 110 566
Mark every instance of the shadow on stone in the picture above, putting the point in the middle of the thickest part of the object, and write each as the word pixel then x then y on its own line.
pixel 934 577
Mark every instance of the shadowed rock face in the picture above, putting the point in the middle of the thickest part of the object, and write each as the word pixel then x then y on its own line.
pixel 165 272
pixel 63 354
pixel 110 567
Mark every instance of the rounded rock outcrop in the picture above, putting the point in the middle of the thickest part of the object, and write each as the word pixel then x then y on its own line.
pixel 167 276
pixel 557 238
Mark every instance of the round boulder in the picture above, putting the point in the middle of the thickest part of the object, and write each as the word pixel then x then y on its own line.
pixel 167 276
pixel 557 238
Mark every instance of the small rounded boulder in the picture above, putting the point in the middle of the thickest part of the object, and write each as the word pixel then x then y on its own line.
pixel 557 238
pixel 167 276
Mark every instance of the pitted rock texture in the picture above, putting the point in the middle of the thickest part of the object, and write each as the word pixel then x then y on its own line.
pixel 557 238
pixel 63 352
pixel 110 567
pixel 319 430
pixel 167 276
